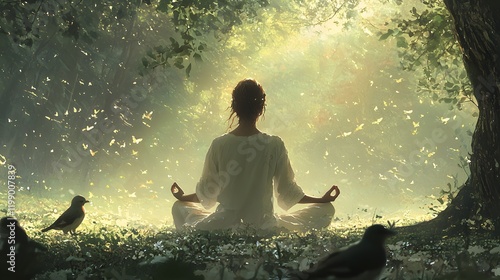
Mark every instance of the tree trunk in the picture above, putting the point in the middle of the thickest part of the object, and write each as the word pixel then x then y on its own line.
pixel 477 28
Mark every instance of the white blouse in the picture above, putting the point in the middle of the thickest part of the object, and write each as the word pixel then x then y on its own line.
pixel 240 173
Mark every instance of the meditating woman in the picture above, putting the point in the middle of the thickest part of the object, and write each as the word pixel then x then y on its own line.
pixel 243 168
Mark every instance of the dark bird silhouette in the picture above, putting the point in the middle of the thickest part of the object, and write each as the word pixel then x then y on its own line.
pixel 71 218
pixel 364 260
pixel 9 226
pixel 176 270
pixel 18 253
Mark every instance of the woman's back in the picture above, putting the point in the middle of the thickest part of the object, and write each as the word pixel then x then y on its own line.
pixel 242 169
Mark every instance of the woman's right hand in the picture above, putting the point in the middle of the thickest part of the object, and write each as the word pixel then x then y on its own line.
pixel 177 191
pixel 328 197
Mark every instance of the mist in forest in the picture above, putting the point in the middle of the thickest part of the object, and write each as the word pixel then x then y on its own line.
pixel 336 95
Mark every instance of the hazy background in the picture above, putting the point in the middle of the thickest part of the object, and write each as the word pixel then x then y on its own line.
pixel 335 94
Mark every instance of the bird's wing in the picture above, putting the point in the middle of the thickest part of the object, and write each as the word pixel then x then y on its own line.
pixel 345 263
pixel 334 264
pixel 66 219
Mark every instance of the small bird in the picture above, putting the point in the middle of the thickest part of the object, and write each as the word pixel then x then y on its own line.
pixel 364 260
pixel 71 218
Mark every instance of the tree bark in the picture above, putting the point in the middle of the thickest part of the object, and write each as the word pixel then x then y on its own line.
pixel 477 28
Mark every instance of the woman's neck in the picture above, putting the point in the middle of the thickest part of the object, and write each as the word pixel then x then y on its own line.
pixel 245 128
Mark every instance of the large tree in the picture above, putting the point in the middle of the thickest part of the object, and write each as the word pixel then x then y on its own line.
pixel 477 27
pixel 431 41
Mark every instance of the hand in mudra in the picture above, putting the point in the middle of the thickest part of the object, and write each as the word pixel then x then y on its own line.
pixel 328 197
pixel 177 191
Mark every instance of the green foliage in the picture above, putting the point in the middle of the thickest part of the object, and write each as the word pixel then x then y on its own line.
pixel 27 21
pixel 193 21
pixel 317 12
pixel 427 45
pixel 446 196
pixel 190 20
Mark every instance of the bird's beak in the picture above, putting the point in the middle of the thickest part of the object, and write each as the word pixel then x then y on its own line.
pixel 86 201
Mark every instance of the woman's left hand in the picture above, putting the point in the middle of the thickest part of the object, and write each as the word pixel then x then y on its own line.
pixel 177 191
pixel 328 197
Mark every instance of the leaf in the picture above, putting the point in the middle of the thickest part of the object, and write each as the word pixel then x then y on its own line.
pixel 28 42
pixel 136 140
pixel 475 250
pixel 401 43
pixel 163 6
pixel 447 100
pixel 147 115
pixel 378 121
pixel 188 70
pixel 179 63
pixel 386 35
pixel 495 250
pixel 438 19
pixel 174 43
pixel 359 127
pixel 197 57
pixel 150 54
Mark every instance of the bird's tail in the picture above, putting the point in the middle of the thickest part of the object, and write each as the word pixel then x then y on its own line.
pixel 297 275
pixel 46 229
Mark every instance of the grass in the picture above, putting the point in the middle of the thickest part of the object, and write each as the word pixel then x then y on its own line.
pixel 142 253
pixel 108 249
